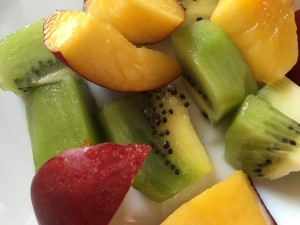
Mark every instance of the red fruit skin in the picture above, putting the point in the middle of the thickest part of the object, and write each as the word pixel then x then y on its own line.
pixel 294 73
pixel 85 186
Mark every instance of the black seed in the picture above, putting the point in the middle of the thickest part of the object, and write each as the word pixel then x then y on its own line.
pixel 174 92
pixel 257 170
pixel 167 162
pixel 161 105
pixel 182 96
pixel 167 132
pixel 157 151
pixel 186 104
pixel 170 151
pixel 268 161
pixel 205 97
pixel 171 111
pixel 292 142
pixel 199 18
pixel 157 121
pixel 260 165
pixel 177 172
pixel 161 134
pixel 166 144
pixel 291 128
pixel 199 92
pixel 164 120
pixel 164 112
pixel 285 140
pixel 205 115
pixel 172 167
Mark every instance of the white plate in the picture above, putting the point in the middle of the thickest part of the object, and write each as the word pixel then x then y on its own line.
pixel 282 196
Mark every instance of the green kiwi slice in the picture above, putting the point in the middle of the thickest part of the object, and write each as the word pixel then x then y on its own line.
pixel 217 75
pixel 159 118
pixel 262 141
pixel 198 9
pixel 25 61
pixel 283 95
pixel 61 116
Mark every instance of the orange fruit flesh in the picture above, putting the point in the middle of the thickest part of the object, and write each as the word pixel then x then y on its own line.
pixel 139 21
pixel 233 201
pixel 265 33
pixel 101 54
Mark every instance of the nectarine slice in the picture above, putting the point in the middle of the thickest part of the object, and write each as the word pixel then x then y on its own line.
pixel 101 54
pixel 139 21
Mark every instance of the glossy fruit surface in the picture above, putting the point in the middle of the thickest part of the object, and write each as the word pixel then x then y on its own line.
pixel 101 54
pixel 230 202
pixel 85 186
pixel 265 33
pixel 139 21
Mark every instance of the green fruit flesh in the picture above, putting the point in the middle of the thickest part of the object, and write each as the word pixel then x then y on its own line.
pixel 263 141
pixel 61 116
pixel 159 119
pixel 283 95
pixel 217 75
pixel 198 9
pixel 23 59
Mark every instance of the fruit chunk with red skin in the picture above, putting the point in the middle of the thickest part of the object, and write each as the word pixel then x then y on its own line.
pixel 294 73
pixel 101 54
pixel 85 186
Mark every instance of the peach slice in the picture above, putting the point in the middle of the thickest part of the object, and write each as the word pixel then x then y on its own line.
pixel 101 54
pixel 139 21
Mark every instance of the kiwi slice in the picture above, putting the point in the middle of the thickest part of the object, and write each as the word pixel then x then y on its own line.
pixel 158 118
pixel 283 95
pixel 262 141
pixel 217 75
pixel 25 61
pixel 196 10
pixel 61 116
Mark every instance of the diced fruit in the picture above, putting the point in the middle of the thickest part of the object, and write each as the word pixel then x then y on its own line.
pixel 23 58
pixel 198 9
pixel 262 141
pixel 99 52
pixel 61 116
pixel 294 73
pixel 217 74
pixel 86 185
pixel 232 201
pixel 160 119
pixel 139 21
pixel 265 33
pixel 284 96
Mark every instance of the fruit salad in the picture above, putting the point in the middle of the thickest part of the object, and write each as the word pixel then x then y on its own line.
pixel 180 131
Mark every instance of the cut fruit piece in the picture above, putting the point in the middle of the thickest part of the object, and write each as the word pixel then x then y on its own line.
pixel 99 52
pixel 284 96
pixel 23 57
pixel 232 201
pixel 160 119
pixel 86 185
pixel 196 10
pixel 61 116
pixel 265 33
pixel 294 73
pixel 139 21
pixel 219 77
pixel 263 141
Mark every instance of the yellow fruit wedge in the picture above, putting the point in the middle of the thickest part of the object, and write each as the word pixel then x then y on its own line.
pixel 265 33
pixel 140 21
pixel 233 201
pixel 101 54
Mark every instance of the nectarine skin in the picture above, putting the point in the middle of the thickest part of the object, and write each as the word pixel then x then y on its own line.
pixel 85 186
pixel 101 54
